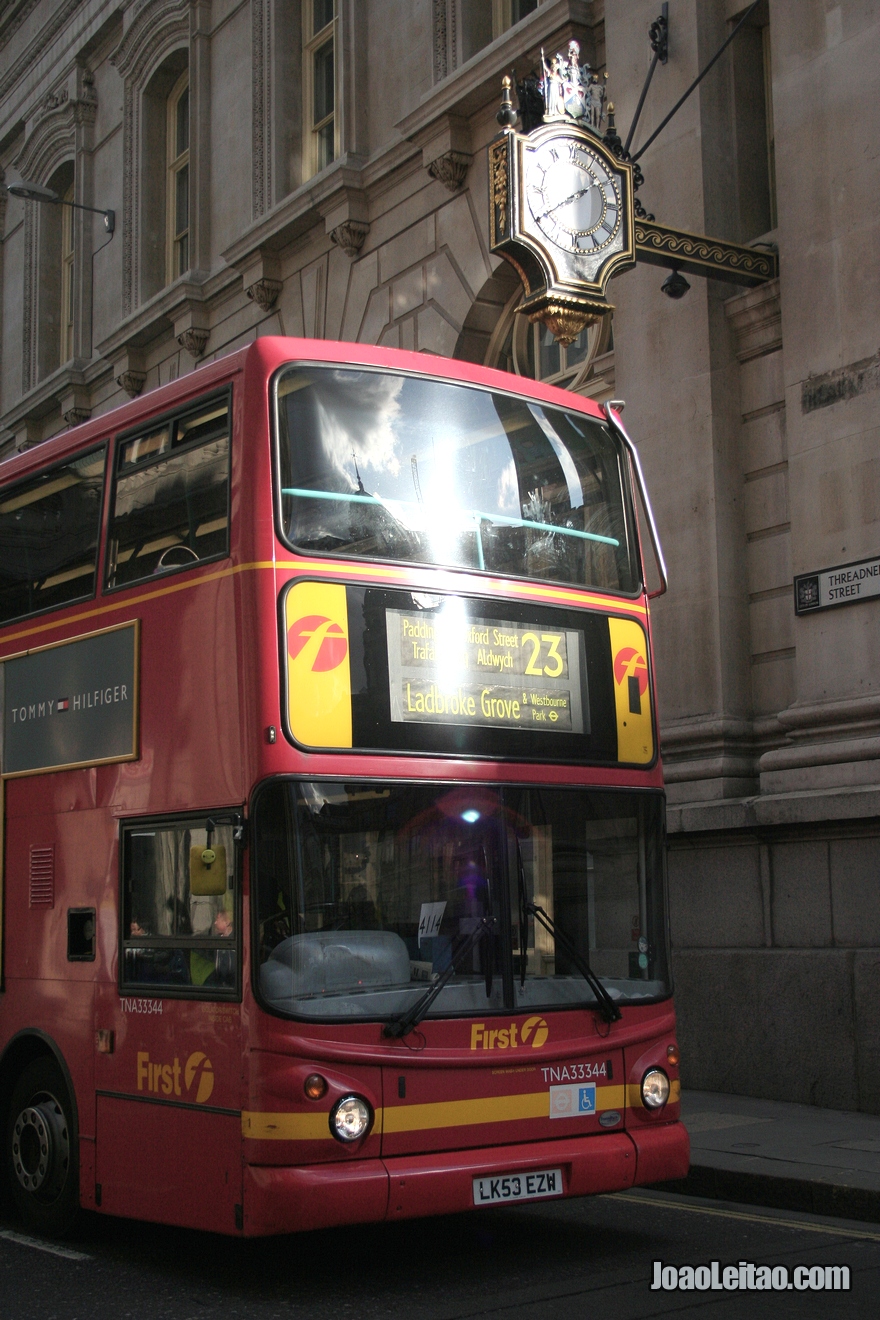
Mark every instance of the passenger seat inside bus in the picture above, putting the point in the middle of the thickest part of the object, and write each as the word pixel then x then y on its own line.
pixel 334 961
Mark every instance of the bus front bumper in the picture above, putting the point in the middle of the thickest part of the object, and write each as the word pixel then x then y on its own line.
pixel 289 1199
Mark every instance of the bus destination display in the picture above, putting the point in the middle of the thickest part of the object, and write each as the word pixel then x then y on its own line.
pixel 446 667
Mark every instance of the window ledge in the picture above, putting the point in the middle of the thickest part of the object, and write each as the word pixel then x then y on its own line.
pixel 39 403
pixel 337 189
pixel 163 312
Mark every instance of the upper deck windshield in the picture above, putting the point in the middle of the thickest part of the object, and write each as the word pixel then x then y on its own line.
pixel 381 465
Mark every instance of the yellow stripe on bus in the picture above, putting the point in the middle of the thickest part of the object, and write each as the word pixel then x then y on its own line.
pixel 438 1114
pixel 507 589
pixel 285 1127
pixel 44 624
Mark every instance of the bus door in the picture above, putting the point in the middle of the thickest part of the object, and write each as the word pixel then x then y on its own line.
pixel 168 1078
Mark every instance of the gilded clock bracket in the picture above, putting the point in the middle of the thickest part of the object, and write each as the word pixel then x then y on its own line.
pixel 564 318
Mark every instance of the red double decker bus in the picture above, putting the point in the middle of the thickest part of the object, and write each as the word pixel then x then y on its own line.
pixel 333 876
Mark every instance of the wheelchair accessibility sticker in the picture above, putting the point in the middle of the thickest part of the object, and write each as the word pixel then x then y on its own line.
pixel 571 1101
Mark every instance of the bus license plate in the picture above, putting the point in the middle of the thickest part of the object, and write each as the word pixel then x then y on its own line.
pixel 518 1187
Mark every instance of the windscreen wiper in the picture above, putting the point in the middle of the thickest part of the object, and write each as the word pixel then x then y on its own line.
pixel 403 1025
pixel 609 1010
pixel 607 1007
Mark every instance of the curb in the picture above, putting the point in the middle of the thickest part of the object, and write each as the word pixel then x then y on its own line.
pixel 813 1198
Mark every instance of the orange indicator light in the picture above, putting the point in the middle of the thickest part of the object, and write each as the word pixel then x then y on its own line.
pixel 315 1086
pixel 672 1053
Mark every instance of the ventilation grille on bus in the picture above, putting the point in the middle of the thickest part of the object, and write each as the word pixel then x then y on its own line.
pixel 42 877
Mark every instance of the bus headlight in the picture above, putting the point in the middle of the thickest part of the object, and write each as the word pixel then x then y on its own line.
pixel 655 1088
pixel 351 1118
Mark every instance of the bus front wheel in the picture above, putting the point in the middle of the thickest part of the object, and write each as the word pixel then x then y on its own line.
pixel 41 1155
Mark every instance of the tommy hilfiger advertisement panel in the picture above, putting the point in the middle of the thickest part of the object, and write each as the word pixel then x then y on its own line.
pixel 70 704
pixel 385 669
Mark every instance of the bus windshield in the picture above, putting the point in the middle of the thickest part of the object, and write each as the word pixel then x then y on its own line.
pixel 367 892
pixel 381 465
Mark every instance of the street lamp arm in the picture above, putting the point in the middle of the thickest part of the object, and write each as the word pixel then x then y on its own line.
pixel 35 192
pixel 109 216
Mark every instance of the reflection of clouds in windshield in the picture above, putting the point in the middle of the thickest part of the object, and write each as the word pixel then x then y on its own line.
pixel 508 490
pixel 357 413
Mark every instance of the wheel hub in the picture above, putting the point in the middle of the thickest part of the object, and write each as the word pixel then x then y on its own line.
pixel 40 1146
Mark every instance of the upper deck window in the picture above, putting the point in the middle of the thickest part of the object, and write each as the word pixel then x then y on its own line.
pixel 49 529
pixel 171 502
pixel 380 465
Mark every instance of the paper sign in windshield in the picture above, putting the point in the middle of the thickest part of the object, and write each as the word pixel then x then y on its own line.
pixel 449 668
pixel 430 918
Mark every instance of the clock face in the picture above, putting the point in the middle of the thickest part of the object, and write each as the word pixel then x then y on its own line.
pixel 574 199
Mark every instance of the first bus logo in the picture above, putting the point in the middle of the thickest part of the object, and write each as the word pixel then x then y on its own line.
pixel 193 1080
pixel 630 664
pixel 534 1031
pixel 321 642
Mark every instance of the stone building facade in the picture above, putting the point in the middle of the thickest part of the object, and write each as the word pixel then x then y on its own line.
pixel 315 168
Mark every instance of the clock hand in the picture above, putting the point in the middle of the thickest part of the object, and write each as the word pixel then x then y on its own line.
pixel 566 200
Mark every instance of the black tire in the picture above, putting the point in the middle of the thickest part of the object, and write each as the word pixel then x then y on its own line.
pixel 40 1150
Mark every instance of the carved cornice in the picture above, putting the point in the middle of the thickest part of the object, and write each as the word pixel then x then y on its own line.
pixel 695 254
pixel 132 382
pixel 194 339
pixel 451 169
pixel 75 403
pixel 76 416
pixel 350 236
pixel 264 293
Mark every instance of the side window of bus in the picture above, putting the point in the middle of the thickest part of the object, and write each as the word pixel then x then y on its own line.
pixel 171 496
pixel 178 909
pixel 49 528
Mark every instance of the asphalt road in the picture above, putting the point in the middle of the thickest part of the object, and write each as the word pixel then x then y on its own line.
pixel 566 1260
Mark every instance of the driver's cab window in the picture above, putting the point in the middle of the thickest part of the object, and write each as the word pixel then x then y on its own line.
pixel 171 495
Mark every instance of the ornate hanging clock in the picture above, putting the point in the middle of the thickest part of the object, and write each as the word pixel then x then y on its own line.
pixel 562 203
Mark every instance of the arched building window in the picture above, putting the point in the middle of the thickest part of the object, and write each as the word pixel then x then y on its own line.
pixel 67 277
pixel 56 275
pixel 321 145
pixel 165 211
pixel 177 180
pixel 528 349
